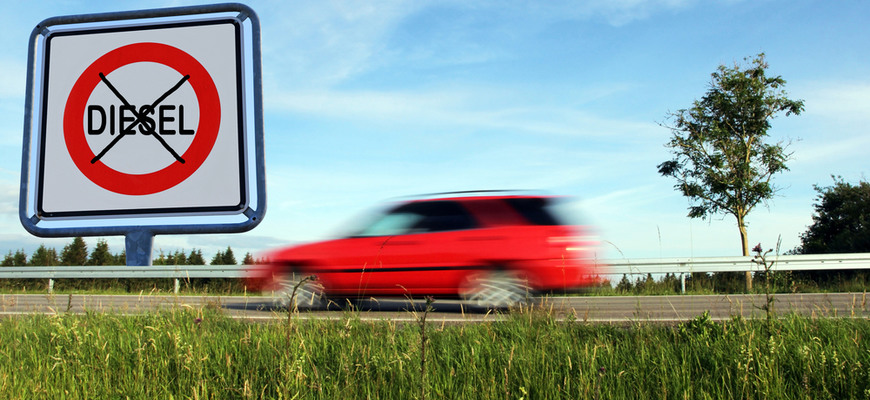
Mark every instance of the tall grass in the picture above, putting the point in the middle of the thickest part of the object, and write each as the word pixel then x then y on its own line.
pixel 187 353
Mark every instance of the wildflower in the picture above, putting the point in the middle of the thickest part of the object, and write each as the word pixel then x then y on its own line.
pixel 757 248
pixel 197 321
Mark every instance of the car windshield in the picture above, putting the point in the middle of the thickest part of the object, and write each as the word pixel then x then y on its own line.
pixel 391 224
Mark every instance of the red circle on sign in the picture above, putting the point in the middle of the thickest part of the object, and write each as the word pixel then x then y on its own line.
pixel 160 180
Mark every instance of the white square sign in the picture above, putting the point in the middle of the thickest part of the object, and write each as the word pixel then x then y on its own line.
pixel 141 120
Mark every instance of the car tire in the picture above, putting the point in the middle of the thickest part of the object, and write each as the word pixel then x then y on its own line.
pixel 496 289
pixel 299 292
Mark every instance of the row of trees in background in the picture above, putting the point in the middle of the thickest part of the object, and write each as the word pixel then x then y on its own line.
pixel 76 253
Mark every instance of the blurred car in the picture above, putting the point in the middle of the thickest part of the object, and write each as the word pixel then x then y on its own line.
pixel 491 250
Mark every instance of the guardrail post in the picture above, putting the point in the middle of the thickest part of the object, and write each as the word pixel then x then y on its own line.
pixel 683 283
pixel 50 285
pixel 177 285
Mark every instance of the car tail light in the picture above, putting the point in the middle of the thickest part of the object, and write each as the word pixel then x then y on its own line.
pixel 571 243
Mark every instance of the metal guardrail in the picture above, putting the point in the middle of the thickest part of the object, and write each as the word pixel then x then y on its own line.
pixel 801 262
pixel 176 272
pixel 123 271
pixel 681 266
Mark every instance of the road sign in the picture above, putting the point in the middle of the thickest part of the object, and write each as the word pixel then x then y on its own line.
pixel 143 119
pixel 146 119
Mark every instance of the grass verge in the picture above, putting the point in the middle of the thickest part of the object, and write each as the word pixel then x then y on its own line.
pixel 201 354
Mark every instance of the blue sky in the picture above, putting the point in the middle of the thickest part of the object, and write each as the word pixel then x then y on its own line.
pixel 366 102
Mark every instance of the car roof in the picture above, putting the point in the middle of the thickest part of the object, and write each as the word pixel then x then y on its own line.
pixel 476 195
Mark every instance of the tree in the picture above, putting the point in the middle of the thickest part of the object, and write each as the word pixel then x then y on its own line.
pixel 249 259
pixel 75 253
pixel 217 259
pixel 179 257
pixel 721 160
pixel 18 259
pixel 195 258
pixel 224 257
pixel 841 222
pixel 44 256
pixel 100 255
pixel 9 260
pixel 160 260
pixel 121 258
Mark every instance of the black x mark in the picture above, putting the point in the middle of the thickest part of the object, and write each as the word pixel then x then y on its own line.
pixel 140 118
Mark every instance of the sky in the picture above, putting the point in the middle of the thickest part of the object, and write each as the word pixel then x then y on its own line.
pixel 369 102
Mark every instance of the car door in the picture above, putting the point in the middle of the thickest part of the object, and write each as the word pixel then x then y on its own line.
pixel 430 257
pixel 357 266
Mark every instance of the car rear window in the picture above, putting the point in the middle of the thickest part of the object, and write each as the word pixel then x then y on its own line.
pixel 534 209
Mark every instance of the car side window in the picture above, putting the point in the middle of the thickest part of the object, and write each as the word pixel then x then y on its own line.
pixel 420 217
pixel 534 210
pixel 439 216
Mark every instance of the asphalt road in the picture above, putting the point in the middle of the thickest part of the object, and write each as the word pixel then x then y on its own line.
pixel 599 309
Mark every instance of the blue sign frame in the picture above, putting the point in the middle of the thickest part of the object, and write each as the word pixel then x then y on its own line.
pixel 140 228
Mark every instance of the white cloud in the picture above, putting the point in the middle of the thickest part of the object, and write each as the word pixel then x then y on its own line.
pixel 475 107
pixel 323 43
pixel 842 101
pixel 621 12
pixel 833 130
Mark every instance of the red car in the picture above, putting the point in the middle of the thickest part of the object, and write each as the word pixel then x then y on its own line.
pixel 492 250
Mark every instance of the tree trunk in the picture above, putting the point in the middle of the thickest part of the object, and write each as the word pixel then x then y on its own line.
pixel 744 242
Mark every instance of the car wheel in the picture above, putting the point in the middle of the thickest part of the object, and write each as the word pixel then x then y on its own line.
pixel 496 289
pixel 298 291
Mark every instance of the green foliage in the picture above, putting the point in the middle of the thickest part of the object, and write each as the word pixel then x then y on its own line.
pixel 224 257
pixel 647 285
pixel 100 255
pixel 17 259
pixel 841 222
pixel 195 257
pixel 624 285
pixel 44 256
pixel 75 253
pixel 721 160
pixel 701 328
pixel 229 257
pixel 203 354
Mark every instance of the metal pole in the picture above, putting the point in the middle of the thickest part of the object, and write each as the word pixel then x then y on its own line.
pixel 139 243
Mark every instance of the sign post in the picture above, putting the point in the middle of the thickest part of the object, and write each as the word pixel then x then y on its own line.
pixel 142 123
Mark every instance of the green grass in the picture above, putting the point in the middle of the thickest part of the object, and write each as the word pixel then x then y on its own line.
pixel 187 353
